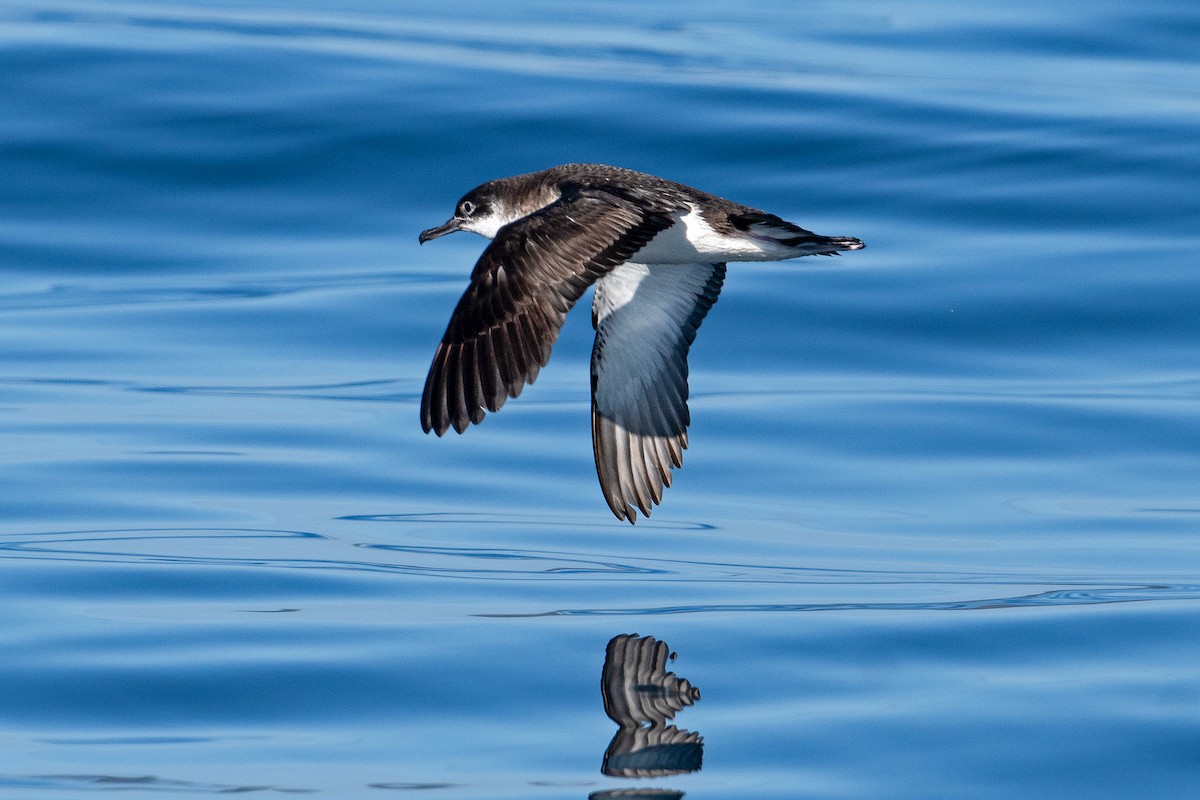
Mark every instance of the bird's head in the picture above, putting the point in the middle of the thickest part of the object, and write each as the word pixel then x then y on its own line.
pixel 479 211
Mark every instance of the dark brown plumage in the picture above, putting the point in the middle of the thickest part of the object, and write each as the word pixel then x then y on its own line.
pixel 656 251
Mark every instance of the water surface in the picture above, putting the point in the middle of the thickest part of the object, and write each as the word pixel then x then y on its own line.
pixel 936 535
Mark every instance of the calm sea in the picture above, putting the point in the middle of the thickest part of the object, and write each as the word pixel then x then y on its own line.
pixel 938 531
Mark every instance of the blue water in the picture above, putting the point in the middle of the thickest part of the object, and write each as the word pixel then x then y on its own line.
pixel 938 531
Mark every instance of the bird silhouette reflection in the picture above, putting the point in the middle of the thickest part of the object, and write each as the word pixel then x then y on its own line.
pixel 640 696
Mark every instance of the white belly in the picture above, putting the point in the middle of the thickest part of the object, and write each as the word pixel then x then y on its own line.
pixel 691 239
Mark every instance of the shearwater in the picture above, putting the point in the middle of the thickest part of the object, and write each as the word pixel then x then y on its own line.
pixel 656 251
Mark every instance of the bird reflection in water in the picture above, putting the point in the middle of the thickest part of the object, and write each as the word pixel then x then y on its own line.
pixel 640 696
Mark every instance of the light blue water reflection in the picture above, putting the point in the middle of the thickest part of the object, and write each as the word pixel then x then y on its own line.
pixel 936 535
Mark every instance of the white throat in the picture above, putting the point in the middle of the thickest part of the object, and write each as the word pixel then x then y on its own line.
pixel 501 214
pixel 486 226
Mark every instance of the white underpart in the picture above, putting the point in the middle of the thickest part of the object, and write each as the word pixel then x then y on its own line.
pixel 617 288
pixel 640 350
pixel 692 239
pixel 661 298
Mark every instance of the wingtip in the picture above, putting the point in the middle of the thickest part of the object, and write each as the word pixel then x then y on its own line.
pixel 626 513
pixel 621 511
pixel 438 430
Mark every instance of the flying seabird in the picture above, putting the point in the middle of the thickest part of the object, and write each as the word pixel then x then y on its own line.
pixel 656 251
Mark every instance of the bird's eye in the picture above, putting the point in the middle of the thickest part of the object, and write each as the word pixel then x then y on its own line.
pixel 466 208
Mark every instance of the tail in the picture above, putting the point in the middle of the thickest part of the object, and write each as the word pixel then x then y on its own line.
pixel 777 230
